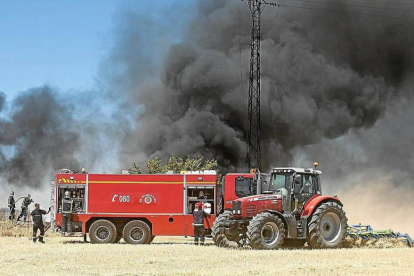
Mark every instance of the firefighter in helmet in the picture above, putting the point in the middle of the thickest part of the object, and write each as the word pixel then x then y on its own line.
pixel 12 206
pixel 25 205
pixel 38 222
pixel 199 216
pixel 67 206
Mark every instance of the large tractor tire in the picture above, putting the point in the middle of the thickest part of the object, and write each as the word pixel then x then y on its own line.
pixel 266 231
pixel 328 226
pixel 220 239
pixel 102 231
pixel 137 232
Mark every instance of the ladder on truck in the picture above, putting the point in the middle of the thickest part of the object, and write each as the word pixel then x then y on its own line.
pixel 52 206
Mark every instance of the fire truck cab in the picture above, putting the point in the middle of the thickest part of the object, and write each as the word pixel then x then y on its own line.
pixel 138 207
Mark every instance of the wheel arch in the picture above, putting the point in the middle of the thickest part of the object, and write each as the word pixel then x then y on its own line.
pixel 317 201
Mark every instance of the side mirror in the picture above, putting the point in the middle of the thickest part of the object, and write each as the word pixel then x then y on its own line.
pixel 298 177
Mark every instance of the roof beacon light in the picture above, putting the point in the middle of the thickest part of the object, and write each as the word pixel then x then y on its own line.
pixel 316 164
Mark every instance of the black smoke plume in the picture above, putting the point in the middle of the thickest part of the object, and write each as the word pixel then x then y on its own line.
pixel 37 139
pixel 323 75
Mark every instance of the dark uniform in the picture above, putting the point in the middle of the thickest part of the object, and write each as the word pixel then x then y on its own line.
pixel 38 224
pixel 199 233
pixel 12 206
pixel 67 205
pixel 25 205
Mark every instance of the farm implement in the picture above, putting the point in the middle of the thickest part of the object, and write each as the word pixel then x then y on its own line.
pixel 364 235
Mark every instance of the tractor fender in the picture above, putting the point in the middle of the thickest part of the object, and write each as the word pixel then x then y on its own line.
pixel 289 222
pixel 315 201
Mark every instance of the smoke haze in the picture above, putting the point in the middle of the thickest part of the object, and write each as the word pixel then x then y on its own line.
pixel 336 88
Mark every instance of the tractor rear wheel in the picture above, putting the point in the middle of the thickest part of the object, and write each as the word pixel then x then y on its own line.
pixel 328 226
pixel 219 238
pixel 265 231
pixel 102 231
pixel 137 232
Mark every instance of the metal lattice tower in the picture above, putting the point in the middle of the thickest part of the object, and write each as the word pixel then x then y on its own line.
pixel 253 135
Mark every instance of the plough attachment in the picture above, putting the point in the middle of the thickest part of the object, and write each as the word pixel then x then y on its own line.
pixel 363 235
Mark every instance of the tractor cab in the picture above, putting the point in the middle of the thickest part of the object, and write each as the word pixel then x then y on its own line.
pixel 295 185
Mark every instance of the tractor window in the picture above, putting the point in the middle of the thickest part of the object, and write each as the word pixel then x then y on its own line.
pixel 279 181
pixel 308 182
pixel 244 187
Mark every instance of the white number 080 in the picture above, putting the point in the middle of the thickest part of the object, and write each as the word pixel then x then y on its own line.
pixel 124 198
pixel 121 198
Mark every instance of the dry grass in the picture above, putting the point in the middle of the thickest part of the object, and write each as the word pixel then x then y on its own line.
pixel 177 256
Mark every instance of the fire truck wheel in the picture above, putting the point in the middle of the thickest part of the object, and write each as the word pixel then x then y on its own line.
pixel 219 238
pixel 265 231
pixel 102 231
pixel 137 232
pixel 328 226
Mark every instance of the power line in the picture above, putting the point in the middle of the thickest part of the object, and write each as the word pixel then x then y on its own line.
pixel 389 2
pixel 351 5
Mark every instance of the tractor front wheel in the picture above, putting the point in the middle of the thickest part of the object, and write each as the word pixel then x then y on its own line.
pixel 266 231
pixel 217 231
pixel 328 226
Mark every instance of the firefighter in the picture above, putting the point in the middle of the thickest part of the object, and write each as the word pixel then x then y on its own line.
pixel 12 206
pixel 67 205
pixel 199 216
pixel 38 222
pixel 25 205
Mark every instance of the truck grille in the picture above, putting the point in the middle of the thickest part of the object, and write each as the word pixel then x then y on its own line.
pixel 251 210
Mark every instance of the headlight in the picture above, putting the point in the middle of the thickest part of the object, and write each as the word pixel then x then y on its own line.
pixel 234 211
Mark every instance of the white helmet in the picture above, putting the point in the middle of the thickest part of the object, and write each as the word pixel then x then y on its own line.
pixel 12 193
pixel 29 196
pixel 67 193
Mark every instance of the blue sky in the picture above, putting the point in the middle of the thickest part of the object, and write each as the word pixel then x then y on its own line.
pixel 60 43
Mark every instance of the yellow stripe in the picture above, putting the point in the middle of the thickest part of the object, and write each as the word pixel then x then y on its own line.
pixel 132 182
pixel 142 182
pixel 200 183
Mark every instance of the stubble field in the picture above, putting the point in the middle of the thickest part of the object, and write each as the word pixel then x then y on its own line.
pixel 178 256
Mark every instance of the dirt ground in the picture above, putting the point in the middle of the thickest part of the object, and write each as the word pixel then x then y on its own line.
pixel 178 256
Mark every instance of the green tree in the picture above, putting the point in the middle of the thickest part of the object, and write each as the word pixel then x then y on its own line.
pixel 176 164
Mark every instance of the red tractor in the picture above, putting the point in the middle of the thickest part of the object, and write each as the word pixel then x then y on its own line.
pixel 290 212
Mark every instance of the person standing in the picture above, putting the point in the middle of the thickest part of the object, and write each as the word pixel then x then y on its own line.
pixel 12 206
pixel 199 216
pixel 38 222
pixel 25 205
pixel 67 205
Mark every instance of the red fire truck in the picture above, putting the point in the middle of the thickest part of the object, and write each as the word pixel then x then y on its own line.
pixel 138 207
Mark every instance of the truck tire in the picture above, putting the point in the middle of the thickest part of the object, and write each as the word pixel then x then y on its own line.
pixel 265 231
pixel 328 226
pixel 293 243
pixel 137 232
pixel 102 231
pixel 220 239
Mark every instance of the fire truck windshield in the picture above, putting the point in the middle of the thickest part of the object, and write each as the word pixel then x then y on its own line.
pixel 279 181
pixel 244 187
